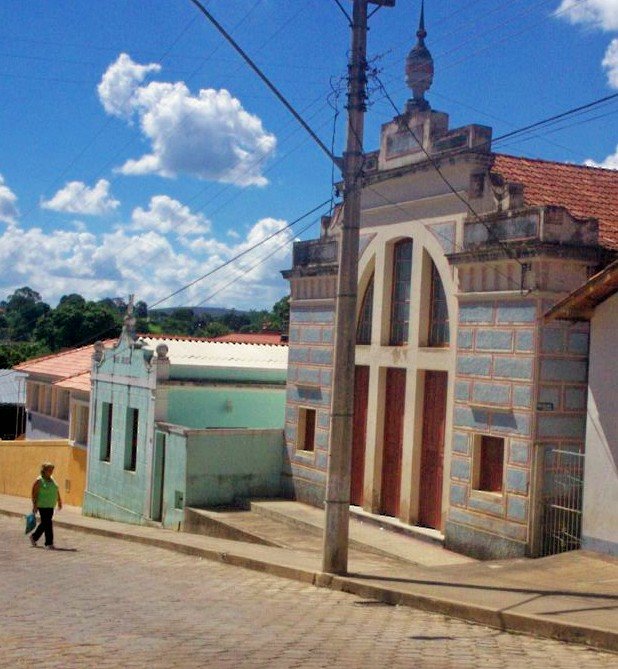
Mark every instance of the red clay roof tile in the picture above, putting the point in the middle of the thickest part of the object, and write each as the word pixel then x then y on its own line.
pixel 587 192
pixel 63 365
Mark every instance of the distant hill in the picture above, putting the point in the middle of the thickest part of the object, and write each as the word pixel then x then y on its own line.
pixel 198 311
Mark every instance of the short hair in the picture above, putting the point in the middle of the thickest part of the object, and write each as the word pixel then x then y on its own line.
pixel 47 465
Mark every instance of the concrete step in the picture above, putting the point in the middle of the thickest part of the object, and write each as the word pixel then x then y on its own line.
pixel 297 526
pixel 250 527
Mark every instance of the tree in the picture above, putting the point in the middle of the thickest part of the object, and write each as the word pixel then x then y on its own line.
pixel 14 353
pixel 234 320
pixel 214 329
pixel 75 322
pixel 141 309
pixel 281 314
pixel 23 310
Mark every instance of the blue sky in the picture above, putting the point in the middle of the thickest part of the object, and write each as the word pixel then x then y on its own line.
pixel 138 152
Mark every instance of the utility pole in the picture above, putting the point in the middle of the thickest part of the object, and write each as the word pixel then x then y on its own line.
pixel 337 511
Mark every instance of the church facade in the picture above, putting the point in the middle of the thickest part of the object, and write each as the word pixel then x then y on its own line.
pixel 462 388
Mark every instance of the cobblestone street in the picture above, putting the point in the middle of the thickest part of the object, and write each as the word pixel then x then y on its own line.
pixel 106 603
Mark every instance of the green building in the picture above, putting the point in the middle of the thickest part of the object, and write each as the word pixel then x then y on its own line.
pixel 178 422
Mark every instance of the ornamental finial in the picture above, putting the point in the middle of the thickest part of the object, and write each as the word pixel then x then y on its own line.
pixel 419 68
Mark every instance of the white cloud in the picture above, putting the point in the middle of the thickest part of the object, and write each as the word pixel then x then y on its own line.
pixel 610 163
pixel 8 204
pixel 166 215
pixel 77 198
pixel 146 263
pixel 601 14
pixel 120 83
pixel 209 135
pixel 610 63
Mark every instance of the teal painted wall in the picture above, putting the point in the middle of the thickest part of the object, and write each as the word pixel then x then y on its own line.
pixel 226 406
pixel 239 375
pixel 113 492
pixel 225 465
pixel 174 483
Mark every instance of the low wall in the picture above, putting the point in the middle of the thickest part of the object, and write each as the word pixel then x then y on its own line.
pixel 224 466
pixel 20 464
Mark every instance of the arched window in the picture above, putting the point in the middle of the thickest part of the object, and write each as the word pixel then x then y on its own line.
pixel 363 330
pixel 400 304
pixel 439 334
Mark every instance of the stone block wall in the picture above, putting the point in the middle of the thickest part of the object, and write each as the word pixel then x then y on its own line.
pixel 309 385
pixel 525 382
pixel 494 395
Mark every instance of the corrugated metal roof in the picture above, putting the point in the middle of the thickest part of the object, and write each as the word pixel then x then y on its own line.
pixel 12 387
pixel 200 353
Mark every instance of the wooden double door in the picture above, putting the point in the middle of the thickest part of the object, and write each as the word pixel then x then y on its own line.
pixel 432 447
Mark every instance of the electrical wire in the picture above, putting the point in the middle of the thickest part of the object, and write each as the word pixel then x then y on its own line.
pixel 450 186
pixel 264 79
pixel 239 255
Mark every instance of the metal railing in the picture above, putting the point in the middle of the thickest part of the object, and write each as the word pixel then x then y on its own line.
pixel 562 501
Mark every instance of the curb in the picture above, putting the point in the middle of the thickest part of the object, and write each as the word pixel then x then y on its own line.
pixel 505 621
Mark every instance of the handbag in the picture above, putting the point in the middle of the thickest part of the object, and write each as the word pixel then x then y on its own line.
pixel 30 523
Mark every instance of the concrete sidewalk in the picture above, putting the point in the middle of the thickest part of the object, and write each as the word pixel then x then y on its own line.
pixel 571 597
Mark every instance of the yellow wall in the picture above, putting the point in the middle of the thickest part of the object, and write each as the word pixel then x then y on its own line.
pixel 20 464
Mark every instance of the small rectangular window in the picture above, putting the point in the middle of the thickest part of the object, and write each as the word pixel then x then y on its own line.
pixel 489 463
pixel 106 431
pixel 306 429
pixel 130 450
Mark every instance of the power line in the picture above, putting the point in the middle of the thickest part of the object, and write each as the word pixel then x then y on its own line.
pixel 557 117
pixel 239 255
pixel 450 186
pixel 257 264
pixel 101 333
pixel 264 79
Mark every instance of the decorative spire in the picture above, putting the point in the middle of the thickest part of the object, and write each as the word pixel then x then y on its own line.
pixel 419 68
pixel 128 329
pixel 421 33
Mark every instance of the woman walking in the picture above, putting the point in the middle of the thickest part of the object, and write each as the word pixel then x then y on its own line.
pixel 45 496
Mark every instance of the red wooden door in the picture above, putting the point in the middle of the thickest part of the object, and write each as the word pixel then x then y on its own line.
pixel 432 451
pixel 359 434
pixel 394 402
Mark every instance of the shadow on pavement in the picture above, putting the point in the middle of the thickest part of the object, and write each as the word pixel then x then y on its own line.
pixel 473 586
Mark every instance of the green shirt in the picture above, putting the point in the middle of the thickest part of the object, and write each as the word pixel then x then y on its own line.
pixel 48 493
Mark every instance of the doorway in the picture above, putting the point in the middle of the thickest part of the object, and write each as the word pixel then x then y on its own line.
pixel 359 434
pixel 394 403
pixel 432 450
pixel 158 476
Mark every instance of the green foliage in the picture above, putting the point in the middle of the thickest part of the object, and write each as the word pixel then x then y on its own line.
pixel 213 329
pixel 75 322
pixel 22 311
pixel 29 327
pixel 281 314
pixel 12 354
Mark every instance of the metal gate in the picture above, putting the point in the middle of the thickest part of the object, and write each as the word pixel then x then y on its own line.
pixel 562 501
